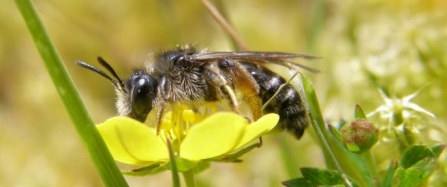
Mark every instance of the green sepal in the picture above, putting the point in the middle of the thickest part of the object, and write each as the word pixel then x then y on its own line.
pixel 358 112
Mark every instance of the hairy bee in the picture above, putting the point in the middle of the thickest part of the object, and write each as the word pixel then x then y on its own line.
pixel 188 75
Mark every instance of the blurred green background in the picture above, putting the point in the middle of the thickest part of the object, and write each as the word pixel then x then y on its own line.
pixel 399 45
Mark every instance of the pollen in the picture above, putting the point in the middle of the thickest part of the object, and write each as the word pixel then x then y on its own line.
pixel 177 122
pixel 188 117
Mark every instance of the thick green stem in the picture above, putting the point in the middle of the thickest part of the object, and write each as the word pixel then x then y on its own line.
pixel 173 165
pixel 370 162
pixel 85 128
pixel 319 126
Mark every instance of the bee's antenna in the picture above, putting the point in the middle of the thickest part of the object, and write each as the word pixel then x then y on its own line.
pixel 109 68
pixel 94 69
pixel 118 83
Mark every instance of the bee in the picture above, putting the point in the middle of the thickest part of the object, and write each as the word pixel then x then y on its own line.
pixel 185 75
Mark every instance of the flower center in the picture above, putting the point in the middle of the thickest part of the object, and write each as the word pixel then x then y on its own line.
pixel 176 123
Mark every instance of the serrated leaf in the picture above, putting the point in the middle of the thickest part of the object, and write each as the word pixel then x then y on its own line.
pixel 418 152
pixel 321 177
pixel 313 177
pixel 415 175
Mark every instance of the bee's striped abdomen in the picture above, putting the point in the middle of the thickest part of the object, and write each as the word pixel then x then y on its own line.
pixel 288 103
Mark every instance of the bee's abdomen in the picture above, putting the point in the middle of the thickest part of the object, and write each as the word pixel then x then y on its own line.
pixel 287 103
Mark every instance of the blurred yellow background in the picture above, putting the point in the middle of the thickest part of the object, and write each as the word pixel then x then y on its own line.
pixel 400 45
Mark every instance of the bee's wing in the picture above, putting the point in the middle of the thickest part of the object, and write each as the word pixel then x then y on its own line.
pixel 257 57
pixel 254 55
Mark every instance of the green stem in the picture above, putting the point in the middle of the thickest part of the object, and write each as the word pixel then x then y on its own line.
pixel 370 162
pixel 189 177
pixel 84 126
pixel 173 165
pixel 320 127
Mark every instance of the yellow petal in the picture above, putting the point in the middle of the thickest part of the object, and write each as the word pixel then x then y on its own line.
pixel 258 128
pixel 132 142
pixel 214 136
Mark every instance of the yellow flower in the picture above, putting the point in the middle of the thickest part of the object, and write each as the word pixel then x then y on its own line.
pixel 220 134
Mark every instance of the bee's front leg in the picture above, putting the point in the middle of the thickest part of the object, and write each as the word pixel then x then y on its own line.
pixel 164 92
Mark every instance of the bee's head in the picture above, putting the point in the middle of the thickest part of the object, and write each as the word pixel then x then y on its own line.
pixel 139 98
pixel 136 97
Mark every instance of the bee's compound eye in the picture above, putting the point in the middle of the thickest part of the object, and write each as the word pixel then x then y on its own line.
pixel 143 90
pixel 179 61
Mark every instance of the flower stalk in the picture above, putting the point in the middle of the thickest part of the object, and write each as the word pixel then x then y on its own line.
pixel 106 167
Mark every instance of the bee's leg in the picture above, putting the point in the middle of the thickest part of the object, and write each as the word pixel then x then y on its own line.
pixel 245 83
pixel 216 79
pixel 250 89
pixel 163 94
pixel 229 95
pixel 160 112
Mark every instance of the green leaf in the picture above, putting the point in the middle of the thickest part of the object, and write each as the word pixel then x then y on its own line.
pixel 314 177
pixel 416 166
pixel 337 156
pixel 321 176
pixel 416 174
pixel 416 153
pixel 297 182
